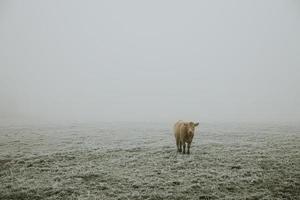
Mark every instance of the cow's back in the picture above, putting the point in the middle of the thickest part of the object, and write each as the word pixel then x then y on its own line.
pixel 177 128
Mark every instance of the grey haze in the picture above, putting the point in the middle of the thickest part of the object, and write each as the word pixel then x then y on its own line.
pixel 150 60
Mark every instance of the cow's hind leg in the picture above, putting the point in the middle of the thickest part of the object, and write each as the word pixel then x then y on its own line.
pixel 178 145
pixel 180 149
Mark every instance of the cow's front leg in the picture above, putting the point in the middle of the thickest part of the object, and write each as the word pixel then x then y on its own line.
pixel 188 148
pixel 183 147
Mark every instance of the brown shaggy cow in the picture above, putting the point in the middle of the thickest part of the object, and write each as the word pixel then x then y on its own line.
pixel 184 133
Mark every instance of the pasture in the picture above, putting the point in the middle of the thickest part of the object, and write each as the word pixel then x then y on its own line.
pixel 139 161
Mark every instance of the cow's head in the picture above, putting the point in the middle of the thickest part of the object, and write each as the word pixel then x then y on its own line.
pixel 191 128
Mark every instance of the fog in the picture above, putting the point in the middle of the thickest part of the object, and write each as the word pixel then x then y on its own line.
pixel 151 61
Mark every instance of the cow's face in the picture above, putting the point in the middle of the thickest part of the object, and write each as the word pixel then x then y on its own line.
pixel 191 128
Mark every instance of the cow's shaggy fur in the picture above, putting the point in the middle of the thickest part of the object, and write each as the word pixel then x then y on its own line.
pixel 184 133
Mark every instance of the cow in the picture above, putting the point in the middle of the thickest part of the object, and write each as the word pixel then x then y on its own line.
pixel 184 133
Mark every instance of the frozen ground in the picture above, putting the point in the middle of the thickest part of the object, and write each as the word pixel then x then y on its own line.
pixel 139 161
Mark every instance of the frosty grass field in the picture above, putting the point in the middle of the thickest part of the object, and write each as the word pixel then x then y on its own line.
pixel 139 161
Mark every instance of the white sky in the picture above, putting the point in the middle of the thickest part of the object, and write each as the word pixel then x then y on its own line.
pixel 150 60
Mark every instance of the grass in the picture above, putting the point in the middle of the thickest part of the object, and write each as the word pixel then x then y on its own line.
pixel 264 165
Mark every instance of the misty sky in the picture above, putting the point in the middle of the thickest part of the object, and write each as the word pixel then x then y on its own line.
pixel 150 60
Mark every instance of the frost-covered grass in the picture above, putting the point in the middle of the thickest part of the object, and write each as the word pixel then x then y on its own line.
pixel 139 161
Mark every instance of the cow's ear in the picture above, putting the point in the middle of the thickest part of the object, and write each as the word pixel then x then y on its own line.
pixel 196 124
